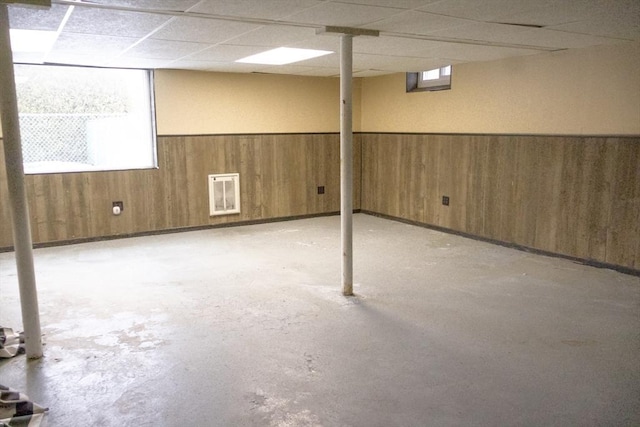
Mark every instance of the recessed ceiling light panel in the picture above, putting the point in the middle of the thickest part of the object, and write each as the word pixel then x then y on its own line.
pixel 283 55
pixel 33 41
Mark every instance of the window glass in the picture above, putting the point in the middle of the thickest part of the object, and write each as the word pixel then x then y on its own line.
pixel 85 119
pixel 436 79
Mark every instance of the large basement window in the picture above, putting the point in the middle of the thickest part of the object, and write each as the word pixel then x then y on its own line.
pixel 76 119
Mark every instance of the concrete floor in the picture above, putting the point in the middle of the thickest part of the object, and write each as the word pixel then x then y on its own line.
pixel 246 326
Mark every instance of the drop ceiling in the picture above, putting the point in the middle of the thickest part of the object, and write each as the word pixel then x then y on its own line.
pixel 414 34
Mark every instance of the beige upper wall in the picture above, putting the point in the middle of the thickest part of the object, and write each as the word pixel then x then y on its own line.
pixel 192 103
pixel 581 92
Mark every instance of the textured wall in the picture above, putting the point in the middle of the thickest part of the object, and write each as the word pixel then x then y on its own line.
pixel 577 196
pixel 279 175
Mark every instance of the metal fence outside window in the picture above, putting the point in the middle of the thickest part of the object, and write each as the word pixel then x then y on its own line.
pixel 57 137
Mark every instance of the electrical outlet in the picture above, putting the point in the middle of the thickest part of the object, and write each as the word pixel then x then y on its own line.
pixel 321 189
pixel 445 200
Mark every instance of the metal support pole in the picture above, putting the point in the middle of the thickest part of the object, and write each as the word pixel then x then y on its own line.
pixel 17 194
pixel 346 162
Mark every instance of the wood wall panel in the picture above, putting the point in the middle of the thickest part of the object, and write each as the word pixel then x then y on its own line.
pixel 279 175
pixel 575 196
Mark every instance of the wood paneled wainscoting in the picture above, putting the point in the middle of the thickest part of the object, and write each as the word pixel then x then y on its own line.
pixel 570 195
pixel 279 176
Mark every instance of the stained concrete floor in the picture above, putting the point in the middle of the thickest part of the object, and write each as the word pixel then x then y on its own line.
pixel 246 326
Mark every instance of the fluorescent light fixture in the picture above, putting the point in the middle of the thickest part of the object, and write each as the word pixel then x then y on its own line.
pixel 283 55
pixel 32 41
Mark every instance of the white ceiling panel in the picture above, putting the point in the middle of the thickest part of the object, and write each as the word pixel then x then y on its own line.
pixel 288 69
pixel 605 28
pixel 274 36
pixel 86 44
pixel 554 12
pixel 560 39
pixel 511 34
pixel 400 4
pixel 225 53
pixel 31 18
pixel 113 23
pixel 397 46
pixel 202 30
pixel 615 22
pixel 485 10
pixel 192 65
pixel 212 34
pixel 28 57
pixel 236 67
pixel 131 62
pixel 178 5
pixel 70 58
pixel 322 72
pixel 320 42
pixel 470 53
pixel 164 49
pixel 342 14
pixel 271 9
pixel 369 73
pixel 414 22
pixel 381 62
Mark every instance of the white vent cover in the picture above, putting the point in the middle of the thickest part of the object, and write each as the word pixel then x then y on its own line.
pixel 224 194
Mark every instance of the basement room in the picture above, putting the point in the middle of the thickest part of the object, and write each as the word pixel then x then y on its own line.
pixel 304 213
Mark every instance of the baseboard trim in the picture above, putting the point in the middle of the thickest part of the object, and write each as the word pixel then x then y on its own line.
pixel 583 261
pixel 175 230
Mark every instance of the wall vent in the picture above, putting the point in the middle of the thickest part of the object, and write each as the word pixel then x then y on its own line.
pixel 224 194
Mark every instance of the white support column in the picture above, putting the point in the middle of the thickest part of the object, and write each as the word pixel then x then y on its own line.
pixel 346 161
pixel 17 194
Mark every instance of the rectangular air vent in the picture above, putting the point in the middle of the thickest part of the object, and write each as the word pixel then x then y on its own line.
pixel 224 194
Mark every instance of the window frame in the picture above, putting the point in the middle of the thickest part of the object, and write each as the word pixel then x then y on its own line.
pixel 150 90
pixel 417 83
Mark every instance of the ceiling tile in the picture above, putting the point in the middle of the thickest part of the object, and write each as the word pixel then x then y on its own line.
pixel 396 45
pixel 113 23
pixel 236 67
pixel 418 23
pixel 322 72
pixel 28 57
pixel 369 73
pixel 142 63
pixel 192 65
pixel 273 36
pixel 516 35
pixel 471 53
pixel 330 60
pixel 341 14
pixel 605 28
pixel 400 4
pixel 32 18
pixel 171 40
pixel 202 30
pixel 560 39
pixel 485 10
pixel 71 58
pixel 178 5
pixel 320 42
pixel 164 49
pixel 383 62
pixel 225 52
pixel 554 12
pixel 273 9
pixel 288 69
pixel 87 44
pixel 620 20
